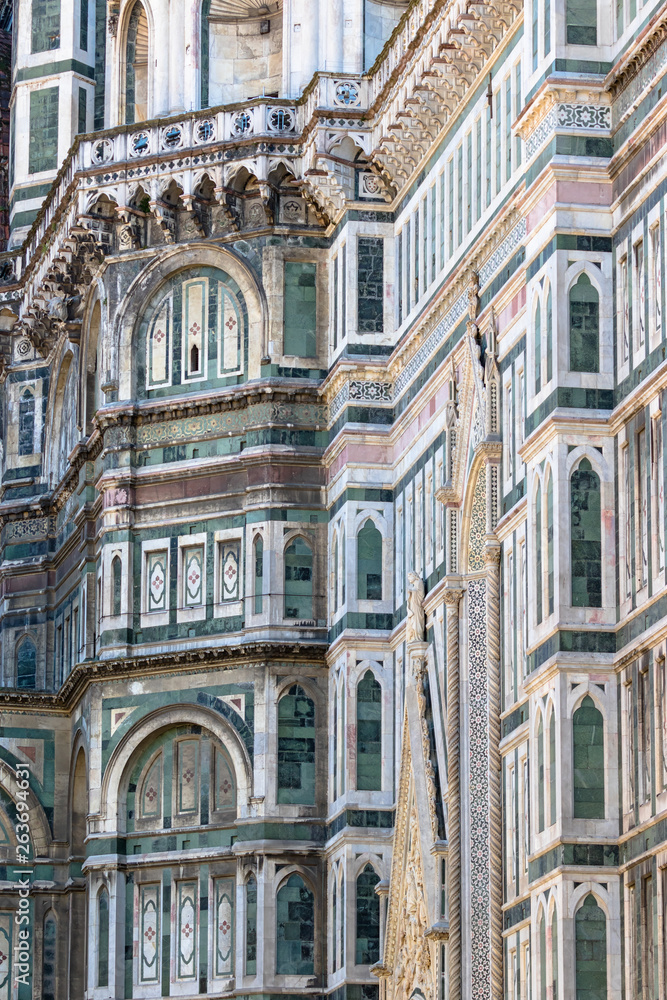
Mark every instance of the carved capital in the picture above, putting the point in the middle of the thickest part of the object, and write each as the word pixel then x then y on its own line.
pixel 452 597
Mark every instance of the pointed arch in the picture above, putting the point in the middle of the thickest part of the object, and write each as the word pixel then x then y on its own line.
pixel 548 322
pixel 586 536
pixel 116 585
pixel 537 340
pixel 295 927
pixel 136 54
pixel 588 761
pixel 584 306
pixel 296 747
pixel 552 764
pixel 258 573
pixel 550 525
pixel 541 791
pixel 369 733
pixel 590 924
pixel 27 422
pixel 367 937
pixel 369 562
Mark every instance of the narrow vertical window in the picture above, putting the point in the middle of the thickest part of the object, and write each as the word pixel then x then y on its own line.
pixel 258 565
pixel 136 66
pixel 369 733
pixel 549 336
pixel 27 423
pixel 655 284
pixel 450 214
pixel 499 132
pixel 83 25
pixel 45 25
pixel 508 127
pixel 627 521
pixel 336 313
pixel 343 566
pixel 43 132
pixel 517 110
pixel 550 545
pixel 552 768
pixel 425 230
pixel 414 297
pixel 624 309
pixel 639 304
pixel 459 194
pixel 251 926
pixel 584 326
pixel 334 920
pixel 299 580
pixel 538 347
pixel 642 511
pixel 536 34
pixel 487 159
pixel 300 310
pixel 334 574
pixel 116 585
pixel 26 665
pixel 295 928
pixel 554 954
pixel 369 563
pixel 542 936
pixel 296 747
pixel 658 494
pixel 540 776
pixel 589 764
pixel 539 583
pixel 547 27
pixel 433 233
pixel 50 944
pixel 399 282
pixel 648 957
pixel 645 732
pixel 468 182
pixel 82 123
pixel 103 938
pixel 590 950
pixel 368 918
pixel 586 537
pixel 478 169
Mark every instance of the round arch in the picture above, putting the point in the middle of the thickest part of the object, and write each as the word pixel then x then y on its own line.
pixel 168 264
pixel 117 773
pixel 40 831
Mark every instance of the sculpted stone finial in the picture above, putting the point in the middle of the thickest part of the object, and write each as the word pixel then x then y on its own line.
pixel 414 629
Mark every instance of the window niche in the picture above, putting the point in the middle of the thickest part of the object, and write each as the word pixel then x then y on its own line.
pixel 590 925
pixel 581 22
pixel 369 734
pixel 299 580
pixel 586 537
pixel 584 326
pixel 136 66
pixel 369 563
pixel 368 918
pixel 300 309
pixel 296 748
pixel 26 665
pixel 588 761
pixel 295 928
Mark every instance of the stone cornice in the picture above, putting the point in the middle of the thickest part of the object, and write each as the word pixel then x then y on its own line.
pixel 187 661
pixel 650 39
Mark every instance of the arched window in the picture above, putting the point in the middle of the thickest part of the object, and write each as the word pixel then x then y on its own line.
pixel 258 560
pixel 550 545
pixel 251 926
pixel 541 791
pixel 590 950
pixel 341 942
pixel 296 747
pixel 581 19
pixel 295 929
pixel 26 665
pixel 49 958
pixel 552 768
pixel 27 423
pixel 334 920
pixel 343 568
pixel 538 347
pixel 150 798
pixel 549 331
pixel 584 326
pixel 334 574
pixel 588 758
pixel 542 938
pixel 116 584
pixel 554 953
pixel 136 66
pixel 103 937
pixel 369 734
pixel 538 554
pixel 299 579
pixel 368 918
pixel 369 563
pixel 586 537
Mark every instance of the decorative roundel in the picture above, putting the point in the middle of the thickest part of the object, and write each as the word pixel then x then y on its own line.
pixel 281 120
pixel 139 144
pixel 205 131
pixel 23 348
pixel 347 93
pixel 172 137
pixel 242 123
pixel 102 151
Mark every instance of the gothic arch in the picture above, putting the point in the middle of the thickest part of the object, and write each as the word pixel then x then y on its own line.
pixel 170 262
pixel 117 773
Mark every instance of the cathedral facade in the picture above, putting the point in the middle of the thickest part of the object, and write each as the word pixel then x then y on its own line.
pixel 333 635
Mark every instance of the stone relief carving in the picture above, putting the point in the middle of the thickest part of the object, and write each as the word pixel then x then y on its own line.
pixel 413 959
